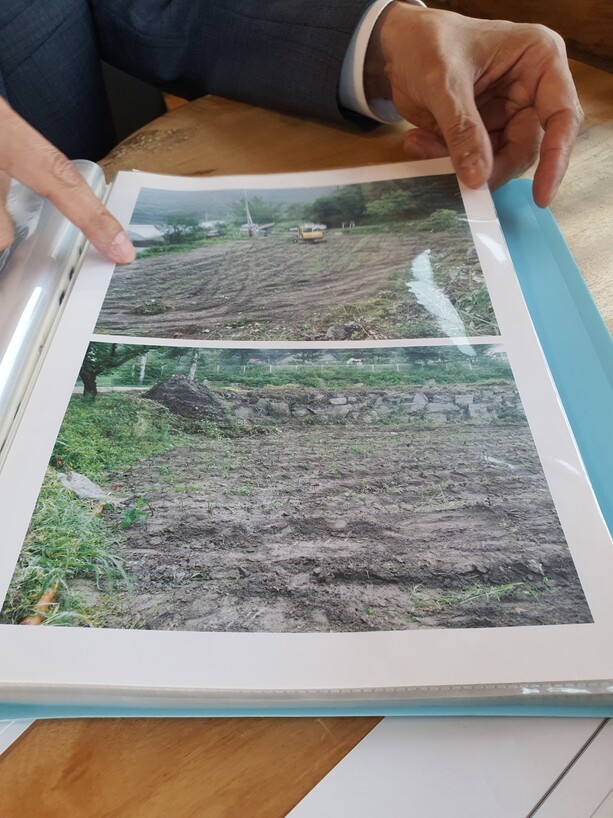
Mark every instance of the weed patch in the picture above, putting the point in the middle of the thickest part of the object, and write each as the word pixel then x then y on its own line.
pixel 66 539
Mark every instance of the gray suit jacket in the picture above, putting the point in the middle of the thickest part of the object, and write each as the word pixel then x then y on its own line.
pixel 275 53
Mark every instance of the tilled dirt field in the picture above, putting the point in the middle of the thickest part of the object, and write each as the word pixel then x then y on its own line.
pixel 270 288
pixel 347 527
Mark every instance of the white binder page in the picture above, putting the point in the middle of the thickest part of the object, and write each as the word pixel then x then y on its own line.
pixel 10 732
pixel 586 791
pixel 464 767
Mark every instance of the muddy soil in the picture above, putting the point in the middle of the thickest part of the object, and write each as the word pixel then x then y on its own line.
pixel 346 527
pixel 270 288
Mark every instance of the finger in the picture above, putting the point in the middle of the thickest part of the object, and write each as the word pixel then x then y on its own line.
pixel 560 135
pixel 559 112
pixel 497 112
pixel 25 155
pixel 462 128
pixel 7 230
pixel 422 144
pixel 516 147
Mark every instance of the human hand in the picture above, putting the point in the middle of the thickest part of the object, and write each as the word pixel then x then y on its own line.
pixel 493 95
pixel 25 155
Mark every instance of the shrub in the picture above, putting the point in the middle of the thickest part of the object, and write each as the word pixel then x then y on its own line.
pixel 440 221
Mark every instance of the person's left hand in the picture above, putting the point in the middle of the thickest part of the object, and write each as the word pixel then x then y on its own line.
pixel 26 156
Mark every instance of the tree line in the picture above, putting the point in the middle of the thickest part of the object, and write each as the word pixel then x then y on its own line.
pixel 131 364
pixel 397 200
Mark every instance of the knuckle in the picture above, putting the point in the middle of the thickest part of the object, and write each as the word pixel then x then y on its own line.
pixel 61 169
pixel 461 132
pixel 97 219
pixel 100 216
pixel 578 113
pixel 540 31
pixel 537 37
pixel 547 37
pixel 435 75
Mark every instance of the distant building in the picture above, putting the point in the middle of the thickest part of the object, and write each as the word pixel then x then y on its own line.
pixel 145 235
pixel 498 352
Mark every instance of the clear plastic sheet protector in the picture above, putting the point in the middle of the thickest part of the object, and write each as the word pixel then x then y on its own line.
pixel 36 274
pixel 579 355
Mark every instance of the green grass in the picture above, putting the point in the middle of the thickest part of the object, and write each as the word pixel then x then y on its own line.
pixel 111 433
pixel 423 602
pixel 66 539
pixel 480 591
pixel 337 377
pixel 476 312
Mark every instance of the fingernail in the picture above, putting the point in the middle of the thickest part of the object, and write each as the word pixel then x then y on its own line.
pixel 472 170
pixel 415 150
pixel 122 250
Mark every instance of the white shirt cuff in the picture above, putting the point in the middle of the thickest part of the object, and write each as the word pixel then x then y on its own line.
pixel 351 86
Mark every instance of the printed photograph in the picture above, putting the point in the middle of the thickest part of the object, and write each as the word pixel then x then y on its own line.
pixel 380 260
pixel 271 490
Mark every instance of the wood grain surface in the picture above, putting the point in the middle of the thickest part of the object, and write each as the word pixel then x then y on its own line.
pixel 586 25
pixel 171 768
pixel 241 768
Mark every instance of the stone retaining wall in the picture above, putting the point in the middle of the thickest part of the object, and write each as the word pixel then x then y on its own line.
pixel 439 404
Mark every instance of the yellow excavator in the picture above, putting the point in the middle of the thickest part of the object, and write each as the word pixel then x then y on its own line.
pixel 311 233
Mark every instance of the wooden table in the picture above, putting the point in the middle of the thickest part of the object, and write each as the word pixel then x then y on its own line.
pixel 246 768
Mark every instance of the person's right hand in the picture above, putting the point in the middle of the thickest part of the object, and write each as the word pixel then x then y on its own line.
pixel 495 96
pixel 26 156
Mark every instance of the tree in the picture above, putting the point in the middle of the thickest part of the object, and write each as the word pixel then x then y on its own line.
pixel 101 358
pixel 179 228
pixel 297 212
pixel 391 206
pixel 344 205
pixel 262 212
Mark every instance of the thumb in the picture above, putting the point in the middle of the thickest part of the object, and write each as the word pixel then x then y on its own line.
pixel 454 108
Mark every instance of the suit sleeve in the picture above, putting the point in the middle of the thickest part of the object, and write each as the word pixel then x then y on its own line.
pixel 285 54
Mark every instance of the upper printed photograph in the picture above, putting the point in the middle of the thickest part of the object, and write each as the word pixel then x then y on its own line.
pixel 378 260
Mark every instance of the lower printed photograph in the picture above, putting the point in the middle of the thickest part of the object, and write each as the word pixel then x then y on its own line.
pixel 295 490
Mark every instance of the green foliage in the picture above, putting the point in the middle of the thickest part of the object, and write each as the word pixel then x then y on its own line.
pixel 101 358
pixel 396 204
pixel 181 228
pixel 165 249
pixel 424 602
pixel 336 377
pixel 66 539
pixel 262 212
pixel 479 592
pixel 440 221
pixel 136 513
pixel 268 367
pixel 476 311
pixel 345 204
pixel 297 212
pixel 428 193
pixel 111 433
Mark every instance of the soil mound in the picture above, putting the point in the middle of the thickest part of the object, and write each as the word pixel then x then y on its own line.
pixel 188 399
